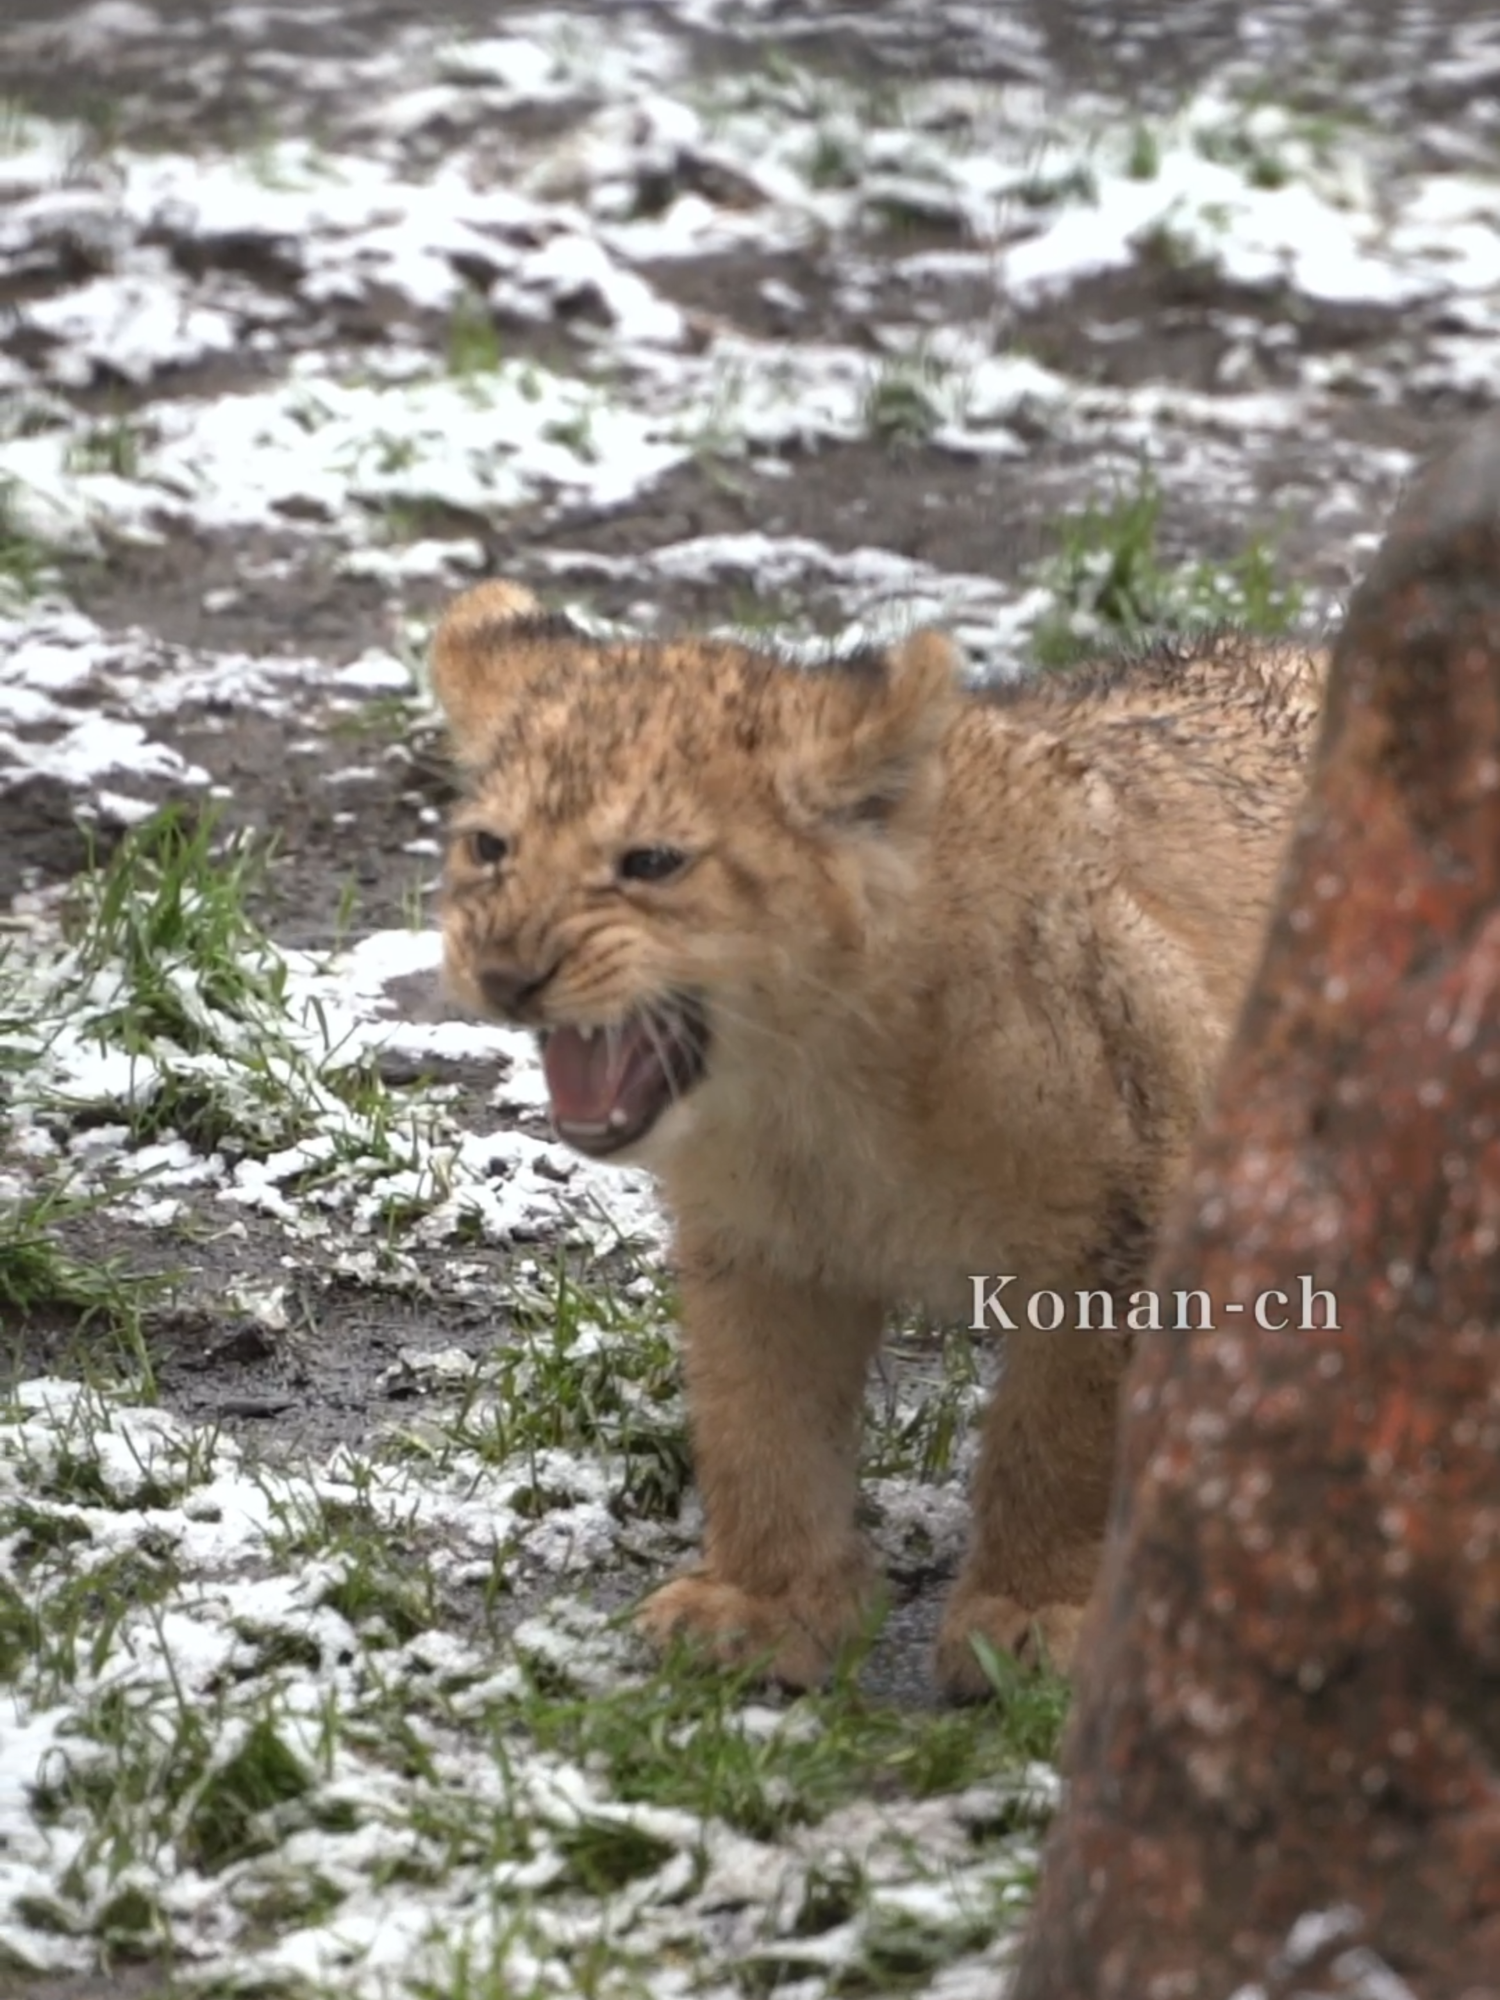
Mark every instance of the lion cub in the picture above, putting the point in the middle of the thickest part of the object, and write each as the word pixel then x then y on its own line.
pixel 891 985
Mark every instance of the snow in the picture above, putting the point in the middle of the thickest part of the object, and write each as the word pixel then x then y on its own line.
pixel 52 658
pixel 507 1184
pixel 135 325
pixel 1339 222
pixel 236 1610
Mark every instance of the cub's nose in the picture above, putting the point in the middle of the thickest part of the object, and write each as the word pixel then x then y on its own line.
pixel 509 989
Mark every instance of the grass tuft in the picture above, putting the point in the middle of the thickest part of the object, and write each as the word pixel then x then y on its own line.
pixel 1075 183
pixel 473 338
pixel 1143 161
pixel 169 914
pixel 833 159
pixel 170 969
pixel 1236 147
pixel 575 434
pixel 905 402
pixel 605 1855
pixel 113 447
pixel 226 1820
pixel 1110 583
pixel 681 1740
pixel 919 1439
pixel 25 569
pixel 44 1279
pixel 587 1371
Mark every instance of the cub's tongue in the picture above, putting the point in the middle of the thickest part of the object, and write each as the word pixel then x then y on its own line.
pixel 611 1082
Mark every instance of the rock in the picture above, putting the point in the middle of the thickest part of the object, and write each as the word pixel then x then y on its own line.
pixel 1285 1754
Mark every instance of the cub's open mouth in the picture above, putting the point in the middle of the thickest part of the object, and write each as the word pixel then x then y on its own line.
pixel 610 1085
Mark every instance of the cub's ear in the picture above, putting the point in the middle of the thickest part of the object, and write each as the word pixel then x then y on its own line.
pixel 491 642
pixel 863 733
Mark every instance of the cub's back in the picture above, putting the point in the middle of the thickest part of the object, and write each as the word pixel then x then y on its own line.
pixel 1186 764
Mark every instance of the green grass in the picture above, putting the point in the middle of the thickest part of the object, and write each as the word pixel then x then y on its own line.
pixel 1174 247
pixel 158 1787
pixel 907 400
pixel 716 433
pixel 833 159
pixel 166 974
pixel 378 1581
pixel 25 562
pixel 1075 183
pixel 1111 583
pixel 392 454
pixel 46 1275
pixel 473 347
pixel 1235 147
pixel 758 613
pixel 415 517
pixel 171 968
pixel 588 1370
pixel 113 447
pixel 39 1276
pixel 283 165
pixel 170 911
pixel 811 100
pixel 575 434
pixel 916 1438
pixel 1143 161
pixel 593 1368
pixel 428 1759
pixel 678 1740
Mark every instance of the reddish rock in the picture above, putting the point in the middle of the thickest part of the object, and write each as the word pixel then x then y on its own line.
pixel 1285 1759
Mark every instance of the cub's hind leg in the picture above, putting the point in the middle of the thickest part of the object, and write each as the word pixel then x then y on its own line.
pixel 1041 1503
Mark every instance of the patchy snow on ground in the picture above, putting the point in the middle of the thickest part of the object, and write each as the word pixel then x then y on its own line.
pixel 1255 193
pixel 289 1771
pixel 430 205
pixel 273 1060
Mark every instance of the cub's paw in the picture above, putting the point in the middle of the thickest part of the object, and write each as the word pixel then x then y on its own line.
pixel 1044 1635
pixel 795 1637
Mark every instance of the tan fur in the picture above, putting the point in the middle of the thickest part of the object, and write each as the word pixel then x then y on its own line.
pixel 968 965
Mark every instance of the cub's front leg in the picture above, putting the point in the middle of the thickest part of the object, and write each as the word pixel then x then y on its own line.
pixel 775 1381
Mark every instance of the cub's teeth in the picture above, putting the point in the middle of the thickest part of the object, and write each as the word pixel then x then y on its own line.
pixel 587 1034
pixel 618 1117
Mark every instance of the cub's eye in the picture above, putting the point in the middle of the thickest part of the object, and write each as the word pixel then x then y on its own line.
pixel 488 848
pixel 651 864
